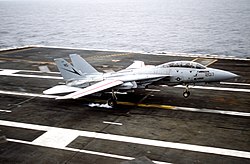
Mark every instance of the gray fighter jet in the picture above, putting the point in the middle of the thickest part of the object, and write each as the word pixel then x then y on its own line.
pixel 82 79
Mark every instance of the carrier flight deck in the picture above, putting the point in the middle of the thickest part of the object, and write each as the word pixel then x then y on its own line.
pixel 154 125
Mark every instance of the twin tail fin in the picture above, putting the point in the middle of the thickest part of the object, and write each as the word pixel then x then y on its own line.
pixel 79 69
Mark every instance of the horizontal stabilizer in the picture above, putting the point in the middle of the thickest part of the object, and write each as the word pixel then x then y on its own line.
pixel 97 87
pixel 60 89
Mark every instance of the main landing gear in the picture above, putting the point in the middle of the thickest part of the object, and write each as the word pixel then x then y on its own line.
pixel 186 93
pixel 113 100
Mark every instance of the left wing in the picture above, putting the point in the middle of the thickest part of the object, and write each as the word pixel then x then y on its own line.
pixel 100 86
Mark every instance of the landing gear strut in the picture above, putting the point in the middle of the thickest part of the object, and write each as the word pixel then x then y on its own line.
pixel 113 100
pixel 186 93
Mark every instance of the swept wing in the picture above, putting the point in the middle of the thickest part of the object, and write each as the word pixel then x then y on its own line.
pixel 97 87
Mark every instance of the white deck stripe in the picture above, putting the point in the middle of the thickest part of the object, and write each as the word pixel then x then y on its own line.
pixel 229 83
pixel 233 113
pixel 7 111
pixel 56 138
pixel 135 140
pixel 153 90
pixel 31 71
pixel 8 72
pixel 217 88
pixel 112 123
pixel 33 76
pixel 71 149
pixel 82 151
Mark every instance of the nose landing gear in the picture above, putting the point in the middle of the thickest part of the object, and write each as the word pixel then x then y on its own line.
pixel 186 93
pixel 113 100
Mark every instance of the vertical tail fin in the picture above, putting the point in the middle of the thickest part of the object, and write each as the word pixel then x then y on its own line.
pixel 67 70
pixel 82 65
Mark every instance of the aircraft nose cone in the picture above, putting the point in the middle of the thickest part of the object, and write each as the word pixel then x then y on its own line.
pixel 225 75
pixel 230 75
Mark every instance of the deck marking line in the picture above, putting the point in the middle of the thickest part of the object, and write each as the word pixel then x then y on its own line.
pixel 81 151
pixel 212 62
pixel 229 83
pixel 135 140
pixel 7 111
pixel 56 138
pixel 153 90
pixel 168 107
pixel 31 71
pixel 24 60
pixel 33 76
pixel 8 72
pixel 203 110
pixel 72 149
pixel 112 123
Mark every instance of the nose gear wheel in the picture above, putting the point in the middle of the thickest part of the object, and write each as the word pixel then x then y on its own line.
pixel 186 93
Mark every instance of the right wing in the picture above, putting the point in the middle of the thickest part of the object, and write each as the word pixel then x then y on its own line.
pixel 97 87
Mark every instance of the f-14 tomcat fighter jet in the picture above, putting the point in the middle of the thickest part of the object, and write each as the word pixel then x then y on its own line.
pixel 82 79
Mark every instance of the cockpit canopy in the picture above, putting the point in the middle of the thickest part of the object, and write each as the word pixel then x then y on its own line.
pixel 184 64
